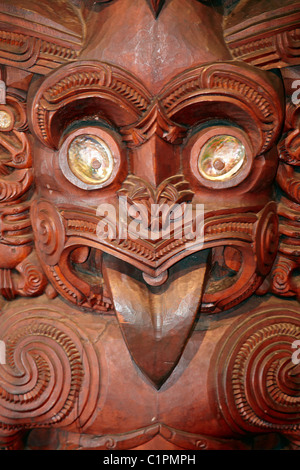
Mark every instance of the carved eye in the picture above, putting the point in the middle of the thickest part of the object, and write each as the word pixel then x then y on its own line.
pixel 6 119
pixel 90 159
pixel 221 158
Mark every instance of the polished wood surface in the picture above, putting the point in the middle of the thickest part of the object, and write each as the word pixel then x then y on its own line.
pixel 149 342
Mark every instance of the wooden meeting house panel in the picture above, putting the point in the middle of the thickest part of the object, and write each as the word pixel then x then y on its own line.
pixel 150 224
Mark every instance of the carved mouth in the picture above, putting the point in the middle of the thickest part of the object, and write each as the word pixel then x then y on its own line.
pixel 155 289
pixel 155 257
pixel 67 245
pixel 156 321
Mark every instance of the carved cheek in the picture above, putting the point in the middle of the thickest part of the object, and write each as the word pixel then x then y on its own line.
pixel 44 169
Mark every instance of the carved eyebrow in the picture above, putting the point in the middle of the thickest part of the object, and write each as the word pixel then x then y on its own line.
pixel 199 91
pixel 229 90
pixel 110 88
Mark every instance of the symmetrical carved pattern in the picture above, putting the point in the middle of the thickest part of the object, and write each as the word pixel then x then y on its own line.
pixel 134 439
pixel 155 123
pixel 143 197
pixel 162 271
pixel 55 249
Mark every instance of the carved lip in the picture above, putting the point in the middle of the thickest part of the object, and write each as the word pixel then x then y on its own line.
pixel 154 258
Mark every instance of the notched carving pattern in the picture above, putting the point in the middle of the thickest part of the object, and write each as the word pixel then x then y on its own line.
pixel 279 50
pixel 236 84
pixel 20 272
pixel 34 54
pixel 82 80
pixel 285 278
pixel 42 389
pixel 258 381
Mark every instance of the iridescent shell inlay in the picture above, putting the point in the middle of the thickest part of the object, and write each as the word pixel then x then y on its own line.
pixel 90 159
pixel 221 158
pixel 5 120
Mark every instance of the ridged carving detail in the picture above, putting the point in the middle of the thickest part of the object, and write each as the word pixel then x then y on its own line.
pixel 20 271
pixel 51 335
pixel 281 277
pixel 227 80
pixel 142 195
pixel 259 381
pixel 154 123
pixel 16 175
pixel 284 280
pixel 96 78
pixel 31 53
pixel 41 389
pixel 136 438
pixel 289 145
pixel 281 49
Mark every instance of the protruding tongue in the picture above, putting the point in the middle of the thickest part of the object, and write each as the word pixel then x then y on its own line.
pixel 156 320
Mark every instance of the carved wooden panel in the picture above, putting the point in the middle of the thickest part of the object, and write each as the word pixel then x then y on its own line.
pixel 149 230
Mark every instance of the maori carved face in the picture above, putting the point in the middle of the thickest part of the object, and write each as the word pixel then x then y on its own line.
pixel 205 137
pixel 115 150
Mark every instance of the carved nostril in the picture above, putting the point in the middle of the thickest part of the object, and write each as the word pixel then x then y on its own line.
pixel 156 281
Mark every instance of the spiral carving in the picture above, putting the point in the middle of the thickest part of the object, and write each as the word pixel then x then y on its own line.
pixel 281 277
pixel 48 231
pixel 32 281
pixel 45 380
pixel 258 382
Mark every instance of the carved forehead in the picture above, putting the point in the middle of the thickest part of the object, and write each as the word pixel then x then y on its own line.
pixel 156 49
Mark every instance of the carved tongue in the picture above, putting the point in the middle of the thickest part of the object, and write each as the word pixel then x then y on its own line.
pixel 156 320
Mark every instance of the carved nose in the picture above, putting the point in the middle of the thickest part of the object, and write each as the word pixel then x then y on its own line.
pixel 155 160
pixel 155 153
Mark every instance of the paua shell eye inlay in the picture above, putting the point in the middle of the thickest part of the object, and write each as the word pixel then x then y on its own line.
pixel 5 120
pixel 90 159
pixel 221 158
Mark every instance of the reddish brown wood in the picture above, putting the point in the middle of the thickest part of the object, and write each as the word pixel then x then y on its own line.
pixel 118 341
